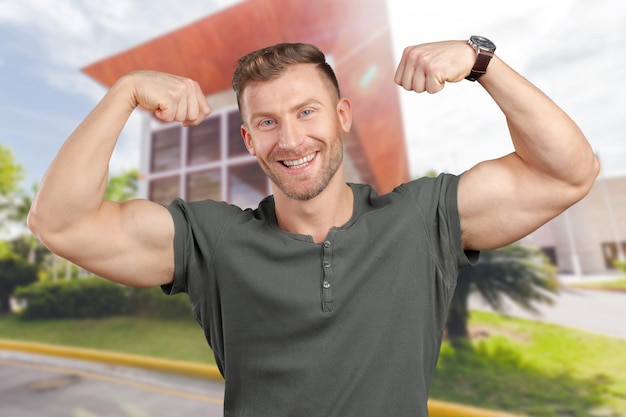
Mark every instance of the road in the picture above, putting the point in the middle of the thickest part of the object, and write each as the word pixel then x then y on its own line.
pixel 599 312
pixel 41 386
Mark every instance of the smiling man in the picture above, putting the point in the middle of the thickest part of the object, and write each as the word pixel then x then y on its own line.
pixel 328 299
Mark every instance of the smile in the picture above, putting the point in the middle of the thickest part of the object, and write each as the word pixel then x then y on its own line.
pixel 299 163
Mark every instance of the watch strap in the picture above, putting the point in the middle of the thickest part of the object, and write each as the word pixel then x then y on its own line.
pixel 480 66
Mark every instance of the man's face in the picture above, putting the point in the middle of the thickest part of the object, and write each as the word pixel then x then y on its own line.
pixel 293 125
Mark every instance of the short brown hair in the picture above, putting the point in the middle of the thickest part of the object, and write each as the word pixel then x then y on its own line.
pixel 270 62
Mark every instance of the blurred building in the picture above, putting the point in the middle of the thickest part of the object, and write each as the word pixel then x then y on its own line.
pixel 210 160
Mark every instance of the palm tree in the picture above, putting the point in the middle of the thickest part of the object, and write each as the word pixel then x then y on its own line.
pixel 518 272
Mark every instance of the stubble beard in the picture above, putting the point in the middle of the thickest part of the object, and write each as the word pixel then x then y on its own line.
pixel 319 184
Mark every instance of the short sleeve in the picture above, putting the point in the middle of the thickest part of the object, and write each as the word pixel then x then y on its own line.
pixel 197 229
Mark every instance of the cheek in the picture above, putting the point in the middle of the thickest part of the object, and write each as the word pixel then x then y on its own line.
pixel 260 146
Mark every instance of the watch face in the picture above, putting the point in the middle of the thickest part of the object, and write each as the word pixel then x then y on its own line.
pixel 483 43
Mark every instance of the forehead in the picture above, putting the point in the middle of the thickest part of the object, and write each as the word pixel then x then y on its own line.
pixel 298 83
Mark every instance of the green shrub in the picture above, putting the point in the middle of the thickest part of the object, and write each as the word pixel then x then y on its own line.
pixel 621 266
pixel 95 298
pixel 80 298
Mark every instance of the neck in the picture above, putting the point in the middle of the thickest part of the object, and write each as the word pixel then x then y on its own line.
pixel 315 217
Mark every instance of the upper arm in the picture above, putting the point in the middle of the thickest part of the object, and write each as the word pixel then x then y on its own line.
pixel 131 243
pixel 502 200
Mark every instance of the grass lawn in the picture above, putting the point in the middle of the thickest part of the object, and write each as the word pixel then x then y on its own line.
pixel 171 339
pixel 534 369
pixel 512 365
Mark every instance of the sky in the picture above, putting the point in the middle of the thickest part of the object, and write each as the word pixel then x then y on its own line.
pixel 571 49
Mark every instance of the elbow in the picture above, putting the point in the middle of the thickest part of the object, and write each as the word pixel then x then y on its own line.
pixel 588 172
pixel 32 221
pixel 36 225
pixel 44 228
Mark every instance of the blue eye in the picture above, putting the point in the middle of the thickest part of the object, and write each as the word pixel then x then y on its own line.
pixel 267 122
pixel 306 112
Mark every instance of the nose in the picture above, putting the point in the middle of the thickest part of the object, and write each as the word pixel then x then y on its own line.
pixel 290 136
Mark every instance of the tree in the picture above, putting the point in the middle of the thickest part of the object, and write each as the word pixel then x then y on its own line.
pixel 122 187
pixel 11 173
pixel 518 272
pixel 14 272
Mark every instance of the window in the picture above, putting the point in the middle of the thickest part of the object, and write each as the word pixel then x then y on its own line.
pixel 247 185
pixel 236 146
pixel 165 190
pixel 204 144
pixel 609 250
pixel 208 161
pixel 165 150
pixel 203 185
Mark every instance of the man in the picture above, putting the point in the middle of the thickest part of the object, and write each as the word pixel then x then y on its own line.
pixel 327 300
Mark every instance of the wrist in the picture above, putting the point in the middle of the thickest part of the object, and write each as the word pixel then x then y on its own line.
pixel 484 50
pixel 125 89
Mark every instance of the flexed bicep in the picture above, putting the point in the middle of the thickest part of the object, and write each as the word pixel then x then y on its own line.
pixel 130 243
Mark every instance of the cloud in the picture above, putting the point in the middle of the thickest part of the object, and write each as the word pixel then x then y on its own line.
pixel 572 50
pixel 50 40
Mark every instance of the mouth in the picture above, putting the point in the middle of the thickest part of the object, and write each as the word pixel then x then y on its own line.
pixel 299 163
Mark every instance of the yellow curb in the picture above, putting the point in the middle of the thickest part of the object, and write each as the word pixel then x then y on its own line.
pixel 435 408
pixel 442 409
pixel 155 364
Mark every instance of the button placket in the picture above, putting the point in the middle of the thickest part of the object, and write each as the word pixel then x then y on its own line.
pixel 327 275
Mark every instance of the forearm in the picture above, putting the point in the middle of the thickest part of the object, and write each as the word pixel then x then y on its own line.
pixel 545 138
pixel 73 186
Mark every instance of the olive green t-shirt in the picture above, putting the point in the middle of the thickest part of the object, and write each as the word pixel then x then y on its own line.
pixel 349 327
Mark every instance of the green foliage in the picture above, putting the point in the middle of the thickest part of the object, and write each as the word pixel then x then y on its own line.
pixel 621 266
pixel 519 272
pixel 179 339
pixel 122 187
pixel 534 369
pixel 95 298
pixel 11 173
pixel 84 298
pixel 14 271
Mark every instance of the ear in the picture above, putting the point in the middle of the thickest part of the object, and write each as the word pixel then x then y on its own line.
pixel 247 140
pixel 344 111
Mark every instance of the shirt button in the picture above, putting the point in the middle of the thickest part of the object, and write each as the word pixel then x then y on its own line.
pixel 327 244
pixel 326 264
pixel 326 284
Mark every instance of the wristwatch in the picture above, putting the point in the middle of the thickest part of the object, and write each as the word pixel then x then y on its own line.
pixel 484 52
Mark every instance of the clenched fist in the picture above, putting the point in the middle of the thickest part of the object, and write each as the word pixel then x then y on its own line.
pixel 427 67
pixel 169 97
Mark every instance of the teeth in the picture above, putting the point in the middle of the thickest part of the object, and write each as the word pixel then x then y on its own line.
pixel 299 163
